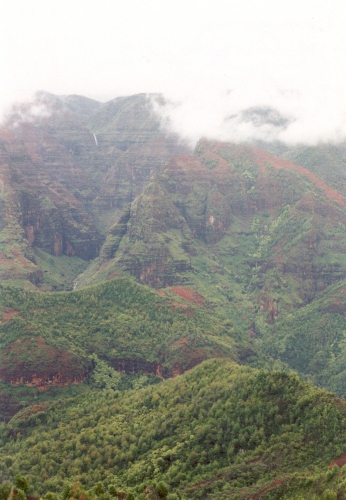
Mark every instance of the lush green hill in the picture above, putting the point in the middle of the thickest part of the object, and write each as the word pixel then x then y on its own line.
pixel 218 431
pixel 52 340
pixel 327 161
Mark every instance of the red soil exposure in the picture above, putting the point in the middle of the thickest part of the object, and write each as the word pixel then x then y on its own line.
pixel 18 256
pixel 15 264
pixel 5 134
pixel 340 462
pixel 186 309
pixel 188 295
pixel 115 274
pixel 206 481
pixel 162 293
pixel 257 496
pixel 176 370
pixel 189 164
pixel 263 158
pixel 338 301
pixel 8 314
pixel 180 343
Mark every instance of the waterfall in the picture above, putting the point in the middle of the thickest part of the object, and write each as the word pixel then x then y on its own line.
pixel 95 140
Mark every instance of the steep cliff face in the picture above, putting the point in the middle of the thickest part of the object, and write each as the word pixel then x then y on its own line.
pixel 37 210
pixel 66 175
pixel 129 131
pixel 260 226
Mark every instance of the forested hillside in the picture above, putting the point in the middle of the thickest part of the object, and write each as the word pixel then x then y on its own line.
pixel 216 431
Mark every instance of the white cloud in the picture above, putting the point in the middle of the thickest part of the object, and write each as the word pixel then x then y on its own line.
pixel 26 112
pixel 215 58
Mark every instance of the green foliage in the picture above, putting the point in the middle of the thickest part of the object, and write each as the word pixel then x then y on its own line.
pixel 21 494
pixel 262 242
pixel 99 489
pixel 112 490
pixel 67 492
pixel 312 339
pixel 116 320
pixel 162 489
pixel 5 489
pixel 21 482
pixel 59 272
pixel 221 425
pixel 104 376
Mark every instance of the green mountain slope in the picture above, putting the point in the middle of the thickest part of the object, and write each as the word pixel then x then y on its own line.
pixel 327 161
pixel 233 223
pixel 219 431
pixel 51 341
pixel 312 339
pixel 257 237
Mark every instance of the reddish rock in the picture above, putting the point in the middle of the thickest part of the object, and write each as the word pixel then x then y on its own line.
pixel 188 295
pixel 33 362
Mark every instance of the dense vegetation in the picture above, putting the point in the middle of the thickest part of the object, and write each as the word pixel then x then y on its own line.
pixel 312 339
pixel 118 319
pixel 48 341
pixel 218 428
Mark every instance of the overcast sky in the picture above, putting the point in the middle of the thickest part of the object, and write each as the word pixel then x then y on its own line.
pixel 210 58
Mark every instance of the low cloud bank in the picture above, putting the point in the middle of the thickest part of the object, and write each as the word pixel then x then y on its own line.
pixel 241 115
pixel 25 109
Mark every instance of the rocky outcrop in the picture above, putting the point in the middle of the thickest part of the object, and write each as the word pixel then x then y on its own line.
pixel 32 362
pixel 182 355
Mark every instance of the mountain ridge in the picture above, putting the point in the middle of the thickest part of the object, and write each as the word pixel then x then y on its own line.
pixel 132 267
